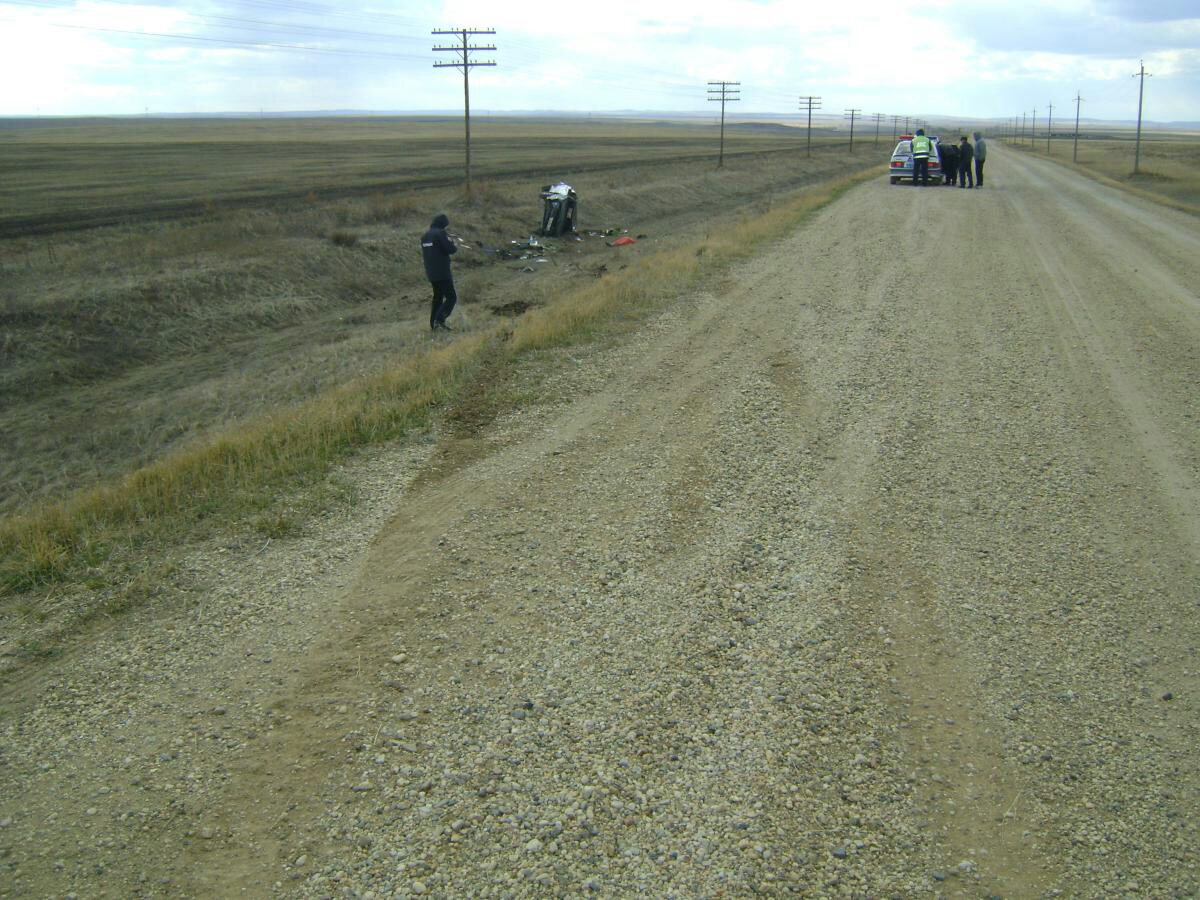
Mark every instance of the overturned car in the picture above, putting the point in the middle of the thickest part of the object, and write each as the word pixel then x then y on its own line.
pixel 560 209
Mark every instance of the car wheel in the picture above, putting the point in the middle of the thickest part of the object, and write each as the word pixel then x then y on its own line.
pixel 895 180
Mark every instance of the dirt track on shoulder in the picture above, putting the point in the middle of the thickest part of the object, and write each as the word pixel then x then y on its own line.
pixel 870 570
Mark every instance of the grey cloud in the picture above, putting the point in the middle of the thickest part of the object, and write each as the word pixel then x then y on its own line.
pixel 1053 31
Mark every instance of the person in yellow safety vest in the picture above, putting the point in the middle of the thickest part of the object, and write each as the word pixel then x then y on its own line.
pixel 922 147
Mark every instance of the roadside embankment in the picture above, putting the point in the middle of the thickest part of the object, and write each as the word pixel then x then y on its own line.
pixel 103 550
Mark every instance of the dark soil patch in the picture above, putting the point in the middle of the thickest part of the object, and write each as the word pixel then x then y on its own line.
pixel 515 308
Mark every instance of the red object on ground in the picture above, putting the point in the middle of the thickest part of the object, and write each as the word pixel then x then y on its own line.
pixel 623 242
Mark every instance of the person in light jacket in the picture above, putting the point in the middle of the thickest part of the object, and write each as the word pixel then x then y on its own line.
pixel 980 158
pixel 436 249
pixel 922 149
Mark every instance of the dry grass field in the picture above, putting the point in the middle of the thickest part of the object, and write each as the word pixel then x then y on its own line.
pixel 126 344
pixel 1169 167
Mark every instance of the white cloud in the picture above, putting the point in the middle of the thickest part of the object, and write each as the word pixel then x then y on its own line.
pixel 626 54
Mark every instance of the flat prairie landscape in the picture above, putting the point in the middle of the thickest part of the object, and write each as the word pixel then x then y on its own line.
pixel 105 171
pixel 256 263
pixel 835 539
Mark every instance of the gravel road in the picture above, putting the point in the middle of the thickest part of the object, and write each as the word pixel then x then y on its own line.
pixel 870 569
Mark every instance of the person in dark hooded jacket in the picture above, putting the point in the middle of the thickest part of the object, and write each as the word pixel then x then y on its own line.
pixel 436 249
pixel 965 154
pixel 949 160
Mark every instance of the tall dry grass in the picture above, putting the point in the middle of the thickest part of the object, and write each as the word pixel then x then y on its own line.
pixel 93 530
pixel 44 545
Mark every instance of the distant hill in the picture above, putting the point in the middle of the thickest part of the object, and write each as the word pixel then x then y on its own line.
pixel 758 119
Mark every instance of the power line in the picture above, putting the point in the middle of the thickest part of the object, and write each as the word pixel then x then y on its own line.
pixel 465 64
pixel 254 45
pixel 308 29
pixel 677 90
pixel 1141 74
pixel 809 104
pixel 723 92
pixel 853 114
pixel 325 11
pixel 877 117
pixel 285 26
pixel 1049 126
pixel 1075 151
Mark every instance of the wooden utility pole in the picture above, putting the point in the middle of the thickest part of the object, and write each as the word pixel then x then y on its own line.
pixel 1033 129
pixel 809 104
pixel 852 114
pixel 1075 151
pixel 1049 126
pixel 877 117
pixel 466 64
pixel 895 126
pixel 1137 147
pixel 1022 128
pixel 723 92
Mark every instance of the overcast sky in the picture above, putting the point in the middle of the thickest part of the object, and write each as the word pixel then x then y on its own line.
pixel 960 58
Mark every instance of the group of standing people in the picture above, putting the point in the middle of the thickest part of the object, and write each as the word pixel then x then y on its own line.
pixel 956 160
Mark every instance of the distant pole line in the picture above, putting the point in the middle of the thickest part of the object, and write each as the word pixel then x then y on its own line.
pixel 1137 147
pixel 1033 129
pixel 723 92
pixel 1075 151
pixel 853 114
pixel 877 117
pixel 466 64
pixel 809 103
pixel 1022 141
pixel 1049 125
pixel 906 131
pixel 895 126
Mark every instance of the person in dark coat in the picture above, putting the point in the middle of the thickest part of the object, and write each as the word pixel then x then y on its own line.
pixel 965 154
pixel 436 249
pixel 949 161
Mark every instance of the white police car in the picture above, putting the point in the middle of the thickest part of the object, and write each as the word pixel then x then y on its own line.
pixel 901 166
